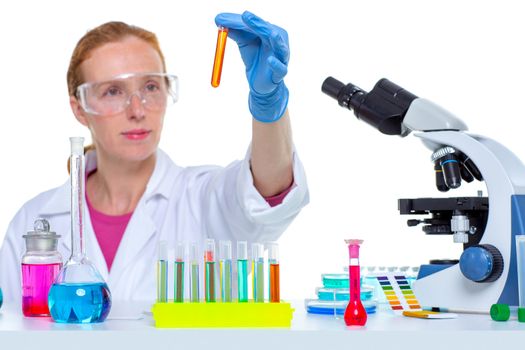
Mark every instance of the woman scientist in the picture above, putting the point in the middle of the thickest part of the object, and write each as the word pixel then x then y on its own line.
pixel 135 194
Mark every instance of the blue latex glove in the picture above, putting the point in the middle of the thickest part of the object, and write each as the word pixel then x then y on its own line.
pixel 265 52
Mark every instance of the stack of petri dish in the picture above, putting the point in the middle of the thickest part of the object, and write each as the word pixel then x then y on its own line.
pixel 333 296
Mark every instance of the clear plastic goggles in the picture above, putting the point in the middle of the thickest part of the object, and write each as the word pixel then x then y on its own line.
pixel 154 90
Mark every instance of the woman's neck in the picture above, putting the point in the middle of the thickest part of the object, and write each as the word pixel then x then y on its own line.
pixel 116 186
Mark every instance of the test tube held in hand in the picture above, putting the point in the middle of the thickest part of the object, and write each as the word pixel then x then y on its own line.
pixel 194 272
pixel 273 262
pixel 242 271
pixel 222 35
pixel 258 272
pixel 162 272
pixel 178 269
pixel 225 268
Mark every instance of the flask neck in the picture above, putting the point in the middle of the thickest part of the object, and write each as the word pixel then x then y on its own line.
pixel 77 206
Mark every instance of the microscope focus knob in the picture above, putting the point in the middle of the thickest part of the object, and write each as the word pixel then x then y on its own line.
pixel 481 263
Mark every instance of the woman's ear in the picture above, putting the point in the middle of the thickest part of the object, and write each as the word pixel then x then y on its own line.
pixel 77 110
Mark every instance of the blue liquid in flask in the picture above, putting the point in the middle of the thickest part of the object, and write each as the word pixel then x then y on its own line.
pixel 79 302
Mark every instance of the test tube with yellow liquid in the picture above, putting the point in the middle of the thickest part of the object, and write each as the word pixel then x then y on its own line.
pixel 258 272
pixel 225 267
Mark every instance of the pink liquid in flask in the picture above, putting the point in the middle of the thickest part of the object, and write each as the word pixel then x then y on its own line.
pixel 355 313
pixel 36 282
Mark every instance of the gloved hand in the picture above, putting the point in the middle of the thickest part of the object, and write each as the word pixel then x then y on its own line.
pixel 265 52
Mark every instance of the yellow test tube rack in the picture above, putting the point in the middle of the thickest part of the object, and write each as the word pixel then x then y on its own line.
pixel 222 315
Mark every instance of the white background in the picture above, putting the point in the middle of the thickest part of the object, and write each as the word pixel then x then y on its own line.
pixel 466 56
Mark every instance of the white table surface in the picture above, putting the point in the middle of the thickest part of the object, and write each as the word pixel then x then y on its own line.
pixel 383 330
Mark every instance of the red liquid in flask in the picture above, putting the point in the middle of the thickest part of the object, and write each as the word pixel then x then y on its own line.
pixel 355 313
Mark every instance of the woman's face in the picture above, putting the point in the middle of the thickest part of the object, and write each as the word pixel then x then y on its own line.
pixel 134 133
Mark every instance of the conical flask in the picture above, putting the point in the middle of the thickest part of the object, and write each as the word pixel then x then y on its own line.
pixel 79 294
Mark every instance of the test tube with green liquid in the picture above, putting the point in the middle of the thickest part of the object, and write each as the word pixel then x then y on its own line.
pixel 162 272
pixel 242 271
pixel 194 272
pixel 209 271
pixel 178 285
pixel 225 268
pixel 258 272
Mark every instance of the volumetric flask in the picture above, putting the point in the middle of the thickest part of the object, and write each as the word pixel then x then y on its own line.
pixel 79 294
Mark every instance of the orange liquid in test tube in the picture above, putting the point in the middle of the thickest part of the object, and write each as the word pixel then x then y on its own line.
pixel 275 296
pixel 219 56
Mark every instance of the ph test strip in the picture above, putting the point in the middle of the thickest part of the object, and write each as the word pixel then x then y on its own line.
pixel 398 293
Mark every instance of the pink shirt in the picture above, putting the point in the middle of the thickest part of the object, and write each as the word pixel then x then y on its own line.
pixel 109 229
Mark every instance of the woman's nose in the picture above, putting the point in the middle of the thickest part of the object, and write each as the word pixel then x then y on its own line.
pixel 136 106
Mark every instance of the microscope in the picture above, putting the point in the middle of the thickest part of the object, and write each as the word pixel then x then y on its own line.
pixel 486 271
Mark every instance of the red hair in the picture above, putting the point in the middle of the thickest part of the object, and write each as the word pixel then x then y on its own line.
pixel 109 32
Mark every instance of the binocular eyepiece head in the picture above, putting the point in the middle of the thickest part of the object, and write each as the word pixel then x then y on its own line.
pixel 384 107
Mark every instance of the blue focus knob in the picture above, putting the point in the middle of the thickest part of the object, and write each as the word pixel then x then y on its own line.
pixel 481 263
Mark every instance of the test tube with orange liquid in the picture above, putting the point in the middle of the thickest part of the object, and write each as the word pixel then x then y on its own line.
pixel 219 56
pixel 273 260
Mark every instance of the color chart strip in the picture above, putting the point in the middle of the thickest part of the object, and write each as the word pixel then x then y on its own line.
pixel 398 293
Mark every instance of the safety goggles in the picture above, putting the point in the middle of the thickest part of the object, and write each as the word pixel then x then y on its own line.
pixel 154 90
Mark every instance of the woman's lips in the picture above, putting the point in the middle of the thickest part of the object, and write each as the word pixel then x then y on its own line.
pixel 136 134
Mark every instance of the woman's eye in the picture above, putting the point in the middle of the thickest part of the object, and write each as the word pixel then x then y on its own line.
pixel 112 91
pixel 151 87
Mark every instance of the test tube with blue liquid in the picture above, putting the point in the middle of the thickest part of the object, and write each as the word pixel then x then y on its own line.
pixel 225 267
pixel 242 271
pixel 178 270
pixel 258 272
pixel 210 284
pixel 162 272
pixel 194 272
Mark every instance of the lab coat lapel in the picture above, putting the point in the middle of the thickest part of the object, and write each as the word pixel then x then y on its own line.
pixel 139 231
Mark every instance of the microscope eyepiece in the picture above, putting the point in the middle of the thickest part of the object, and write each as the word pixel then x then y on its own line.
pixel 348 96
pixel 384 107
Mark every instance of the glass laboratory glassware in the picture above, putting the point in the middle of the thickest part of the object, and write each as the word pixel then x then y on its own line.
pixel 225 268
pixel 222 35
pixel 520 259
pixel 273 268
pixel 258 272
pixel 355 313
pixel 242 271
pixel 162 272
pixel 194 272
pixel 210 284
pixel 41 264
pixel 178 271
pixel 79 294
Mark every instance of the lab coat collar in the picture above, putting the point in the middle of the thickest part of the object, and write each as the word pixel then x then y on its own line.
pixel 158 184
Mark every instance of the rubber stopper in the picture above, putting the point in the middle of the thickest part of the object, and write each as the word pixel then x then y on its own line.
pixel 521 314
pixel 500 312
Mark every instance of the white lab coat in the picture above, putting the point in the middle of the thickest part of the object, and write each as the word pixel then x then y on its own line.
pixel 179 204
